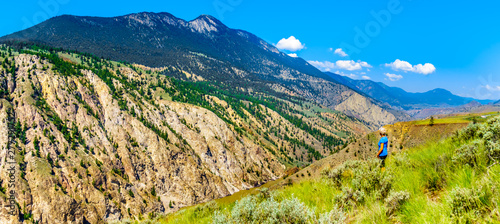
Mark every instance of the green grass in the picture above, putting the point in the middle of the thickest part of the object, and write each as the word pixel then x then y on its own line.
pixel 457 119
pixel 162 94
pixel 71 57
pixel 432 174
pixel 315 194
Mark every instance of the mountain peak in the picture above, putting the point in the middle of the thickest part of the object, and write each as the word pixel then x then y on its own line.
pixel 150 14
pixel 440 91
pixel 206 24
pixel 153 19
pixel 208 18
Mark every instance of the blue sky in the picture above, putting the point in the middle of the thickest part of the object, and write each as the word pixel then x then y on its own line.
pixel 438 44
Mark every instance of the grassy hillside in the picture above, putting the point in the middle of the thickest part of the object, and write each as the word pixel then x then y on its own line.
pixel 455 180
pixel 459 118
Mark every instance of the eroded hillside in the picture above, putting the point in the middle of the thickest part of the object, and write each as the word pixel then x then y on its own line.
pixel 97 141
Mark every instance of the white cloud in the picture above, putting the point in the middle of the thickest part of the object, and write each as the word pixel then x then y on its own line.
pixel 365 77
pixel 339 52
pixel 349 65
pixel 400 65
pixel 352 76
pixel 323 66
pixel 330 49
pixel 364 64
pixel 425 69
pixel 293 55
pixel 492 88
pixel 393 77
pixel 291 44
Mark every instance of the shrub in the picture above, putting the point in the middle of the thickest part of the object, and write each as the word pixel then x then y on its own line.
pixel 205 210
pixel 153 191
pixel 469 132
pixel 336 175
pixel 394 201
pixel 466 155
pixel 349 198
pixel 470 203
pixel 464 200
pixel 490 133
pixel 364 176
pixel 264 192
pixel 400 159
pixel 493 150
pixel 335 216
pixel 251 210
pixel 369 179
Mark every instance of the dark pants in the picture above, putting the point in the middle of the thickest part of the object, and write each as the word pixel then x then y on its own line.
pixel 383 160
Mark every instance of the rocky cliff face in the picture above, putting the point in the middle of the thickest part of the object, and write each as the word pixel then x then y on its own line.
pixel 363 108
pixel 97 141
pixel 113 173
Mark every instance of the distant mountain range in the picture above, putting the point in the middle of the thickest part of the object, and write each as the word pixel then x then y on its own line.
pixel 206 50
pixel 397 97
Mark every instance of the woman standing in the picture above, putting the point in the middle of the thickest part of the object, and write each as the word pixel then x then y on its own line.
pixel 382 147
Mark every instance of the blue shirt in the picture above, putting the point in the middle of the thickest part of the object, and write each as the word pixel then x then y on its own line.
pixel 385 141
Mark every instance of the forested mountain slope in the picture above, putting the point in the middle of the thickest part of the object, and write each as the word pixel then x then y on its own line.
pixel 207 50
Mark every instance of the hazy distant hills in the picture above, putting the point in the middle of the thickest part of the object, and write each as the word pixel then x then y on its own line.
pixel 437 98
pixel 206 50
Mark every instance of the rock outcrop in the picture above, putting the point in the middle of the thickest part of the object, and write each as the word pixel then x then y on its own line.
pixel 110 166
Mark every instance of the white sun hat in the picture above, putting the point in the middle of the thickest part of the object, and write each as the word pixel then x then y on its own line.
pixel 382 131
